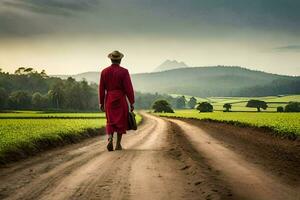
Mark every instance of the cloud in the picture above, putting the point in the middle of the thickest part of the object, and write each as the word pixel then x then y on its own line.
pixel 55 7
pixel 176 18
pixel 289 48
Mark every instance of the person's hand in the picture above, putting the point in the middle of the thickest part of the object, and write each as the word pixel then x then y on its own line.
pixel 101 107
pixel 131 108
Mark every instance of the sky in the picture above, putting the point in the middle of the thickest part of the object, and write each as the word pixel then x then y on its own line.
pixel 75 36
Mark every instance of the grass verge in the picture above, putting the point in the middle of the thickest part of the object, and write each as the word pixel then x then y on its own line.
pixel 23 137
pixel 285 125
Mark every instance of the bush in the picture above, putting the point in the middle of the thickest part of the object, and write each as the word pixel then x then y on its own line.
pixel 162 106
pixel 292 107
pixel 280 109
pixel 205 107
pixel 227 107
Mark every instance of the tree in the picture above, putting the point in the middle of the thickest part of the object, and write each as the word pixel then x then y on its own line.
pixel 227 107
pixel 39 101
pixel 205 107
pixel 19 100
pixel 292 107
pixel 280 109
pixel 180 102
pixel 3 98
pixel 20 71
pixel 192 102
pixel 253 103
pixel 57 95
pixel 162 106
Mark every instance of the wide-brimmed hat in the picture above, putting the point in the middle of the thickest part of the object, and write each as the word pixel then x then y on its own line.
pixel 115 55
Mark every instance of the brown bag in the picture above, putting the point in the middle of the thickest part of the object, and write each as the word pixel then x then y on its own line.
pixel 131 121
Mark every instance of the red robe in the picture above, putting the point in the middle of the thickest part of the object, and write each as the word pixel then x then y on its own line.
pixel 115 85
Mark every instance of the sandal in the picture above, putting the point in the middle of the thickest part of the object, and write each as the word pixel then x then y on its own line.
pixel 110 145
pixel 118 147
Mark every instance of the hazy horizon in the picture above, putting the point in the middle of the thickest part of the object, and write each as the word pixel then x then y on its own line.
pixel 71 37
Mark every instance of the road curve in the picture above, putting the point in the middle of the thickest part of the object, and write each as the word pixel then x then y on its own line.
pixel 164 158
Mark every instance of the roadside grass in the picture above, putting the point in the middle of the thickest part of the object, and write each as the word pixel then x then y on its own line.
pixel 23 134
pixel 283 124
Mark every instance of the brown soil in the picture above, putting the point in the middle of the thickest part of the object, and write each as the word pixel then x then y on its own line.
pixel 164 159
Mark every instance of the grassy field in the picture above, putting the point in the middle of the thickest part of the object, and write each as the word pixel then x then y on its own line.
pixel 23 132
pixel 43 115
pixel 239 103
pixel 285 124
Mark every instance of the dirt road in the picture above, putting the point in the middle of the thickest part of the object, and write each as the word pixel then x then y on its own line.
pixel 164 159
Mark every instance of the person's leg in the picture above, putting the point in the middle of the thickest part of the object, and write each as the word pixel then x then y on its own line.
pixel 119 139
pixel 110 145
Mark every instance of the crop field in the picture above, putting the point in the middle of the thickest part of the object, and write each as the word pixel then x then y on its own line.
pixel 239 103
pixel 285 124
pixel 24 131
pixel 42 115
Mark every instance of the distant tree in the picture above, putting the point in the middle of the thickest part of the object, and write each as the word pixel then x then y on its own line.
pixel 253 103
pixel 43 74
pixel 19 100
pixel 56 95
pixel 292 107
pixel 162 106
pixel 205 107
pixel 227 107
pixel 192 102
pixel 29 70
pixel 3 98
pixel 280 109
pixel 39 101
pixel 180 102
pixel 20 71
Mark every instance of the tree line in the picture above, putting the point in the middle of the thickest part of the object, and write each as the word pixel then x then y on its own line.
pixel 163 105
pixel 27 88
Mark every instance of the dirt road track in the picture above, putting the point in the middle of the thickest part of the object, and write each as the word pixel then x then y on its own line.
pixel 164 159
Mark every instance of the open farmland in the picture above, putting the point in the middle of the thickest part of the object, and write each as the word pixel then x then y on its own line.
pixel 239 103
pixel 285 124
pixel 26 132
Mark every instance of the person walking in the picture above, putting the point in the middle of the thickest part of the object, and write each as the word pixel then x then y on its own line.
pixel 115 85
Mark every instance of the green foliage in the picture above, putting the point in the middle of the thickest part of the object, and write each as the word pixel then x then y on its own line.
pixel 285 124
pixel 227 107
pixel 292 107
pixel 48 93
pixel 3 98
pixel 253 103
pixel 180 102
pixel 280 109
pixel 19 99
pixel 192 102
pixel 205 107
pixel 162 106
pixel 29 89
pixel 21 132
pixel 39 101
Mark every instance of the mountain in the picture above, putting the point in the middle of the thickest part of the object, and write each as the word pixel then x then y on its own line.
pixel 170 64
pixel 210 81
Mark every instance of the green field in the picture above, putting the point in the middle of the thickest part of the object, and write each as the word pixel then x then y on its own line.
pixel 42 115
pixel 285 124
pixel 23 132
pixel 239 103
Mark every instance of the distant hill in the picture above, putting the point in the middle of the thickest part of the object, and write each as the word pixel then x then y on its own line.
pixel 170 64
pixel 210 81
